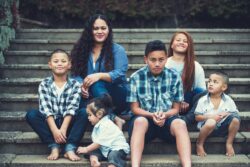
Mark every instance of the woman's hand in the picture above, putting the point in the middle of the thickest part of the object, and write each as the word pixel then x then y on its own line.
pixel 90 79
pixel 85 92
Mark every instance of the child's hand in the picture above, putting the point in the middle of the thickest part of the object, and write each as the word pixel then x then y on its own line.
pixel 59 137
pixel 224 114
pixel 82 150
pixel 217 118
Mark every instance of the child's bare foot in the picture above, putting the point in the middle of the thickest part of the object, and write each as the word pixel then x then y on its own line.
pixel 54 155
pixel 230 150
pixel 200 150
pixel 119 122
pixel 72 156
pixel 94 161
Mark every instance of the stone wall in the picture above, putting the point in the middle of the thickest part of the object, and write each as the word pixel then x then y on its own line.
pixel 8 24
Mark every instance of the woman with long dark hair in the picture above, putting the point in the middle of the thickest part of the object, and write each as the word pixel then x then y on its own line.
pixel 181 58
pixel 100 64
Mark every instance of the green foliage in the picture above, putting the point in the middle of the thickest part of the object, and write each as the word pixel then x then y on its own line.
pixel 120 10
pixel 8 23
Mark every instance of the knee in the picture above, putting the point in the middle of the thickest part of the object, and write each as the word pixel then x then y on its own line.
pixel 235 122
pixel 141 121
pixel 179 125
pixel 31 115
pixel 82 113
pixel 210 124
pixel 98 88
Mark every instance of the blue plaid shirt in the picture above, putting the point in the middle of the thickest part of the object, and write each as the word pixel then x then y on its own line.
pixel 50 104
pixel 155 93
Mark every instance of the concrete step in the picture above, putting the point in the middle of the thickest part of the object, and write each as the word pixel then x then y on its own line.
pixel 15 121
pixel 152 160
pixel 135 57
pixel 21 143
pixel 17 102
pixel 131 44
pixel 136 33
pixel 30 85
pixel 42 70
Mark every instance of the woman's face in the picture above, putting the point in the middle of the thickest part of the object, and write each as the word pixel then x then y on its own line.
pixel 180 43
pixel 100 31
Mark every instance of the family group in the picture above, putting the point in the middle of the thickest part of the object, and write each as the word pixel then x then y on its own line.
pixel 161 99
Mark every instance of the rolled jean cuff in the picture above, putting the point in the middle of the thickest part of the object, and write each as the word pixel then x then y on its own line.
pixel 53 145
pixel 70 147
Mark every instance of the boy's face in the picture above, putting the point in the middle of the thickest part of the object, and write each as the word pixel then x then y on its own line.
pixel 216 84
pixel 180 43
pixel 156 61
pixel 93 119
pixel 59 64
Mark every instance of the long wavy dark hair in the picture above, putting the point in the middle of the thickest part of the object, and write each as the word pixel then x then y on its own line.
pixel 189 61
pixel 84 46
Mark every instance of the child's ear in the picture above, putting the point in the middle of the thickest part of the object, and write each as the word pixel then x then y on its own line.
pixel 145 59
pixel 100 113
pixel 49 63
pixel 224 87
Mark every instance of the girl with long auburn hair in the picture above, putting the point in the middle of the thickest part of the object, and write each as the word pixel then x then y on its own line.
pixel 100 64
pixel 181 58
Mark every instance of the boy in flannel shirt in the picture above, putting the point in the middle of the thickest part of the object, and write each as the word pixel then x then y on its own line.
pixel 58 121
pixel 217 114
pixel 155 93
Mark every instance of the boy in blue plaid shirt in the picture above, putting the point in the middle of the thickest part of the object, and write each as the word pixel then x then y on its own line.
pixel 58 121
pixel 155 94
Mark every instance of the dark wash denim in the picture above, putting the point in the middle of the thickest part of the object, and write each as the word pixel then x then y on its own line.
pixel 192 98
pixel 118 92
pixel 75 131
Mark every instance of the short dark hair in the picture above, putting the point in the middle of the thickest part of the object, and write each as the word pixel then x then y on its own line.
pixel 59 51
pixel 155 45
pixel 224 76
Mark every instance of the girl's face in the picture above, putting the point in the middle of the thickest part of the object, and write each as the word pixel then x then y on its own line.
pixel 93 119
pixel 180 43
pixel 100 31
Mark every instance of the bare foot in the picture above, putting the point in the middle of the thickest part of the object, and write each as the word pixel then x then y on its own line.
pixel 54 155
pixel 72 156
pixel 119 122
pixel 200 150
pixel 94 161
pixel 230 150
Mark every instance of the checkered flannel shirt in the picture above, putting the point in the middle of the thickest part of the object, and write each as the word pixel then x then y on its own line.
pixel 67 104
pixel 155 93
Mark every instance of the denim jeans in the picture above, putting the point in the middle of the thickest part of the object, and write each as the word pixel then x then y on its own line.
pixel 75 131
pixel 192 98
pixel 118 92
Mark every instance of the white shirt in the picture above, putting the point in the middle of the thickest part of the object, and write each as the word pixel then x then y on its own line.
pixel 199 75
pixel 109 136
pixel 206 107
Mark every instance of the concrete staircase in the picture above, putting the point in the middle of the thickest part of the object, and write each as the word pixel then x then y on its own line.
pixel 26 65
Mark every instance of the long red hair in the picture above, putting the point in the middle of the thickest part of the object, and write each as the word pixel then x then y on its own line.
pixel 189 61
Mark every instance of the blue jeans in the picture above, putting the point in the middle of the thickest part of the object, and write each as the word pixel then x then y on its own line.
pixel 192 98
pixel 75 131
pixel 118 92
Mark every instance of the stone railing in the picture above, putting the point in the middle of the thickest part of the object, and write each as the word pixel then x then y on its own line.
pixel 8 24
